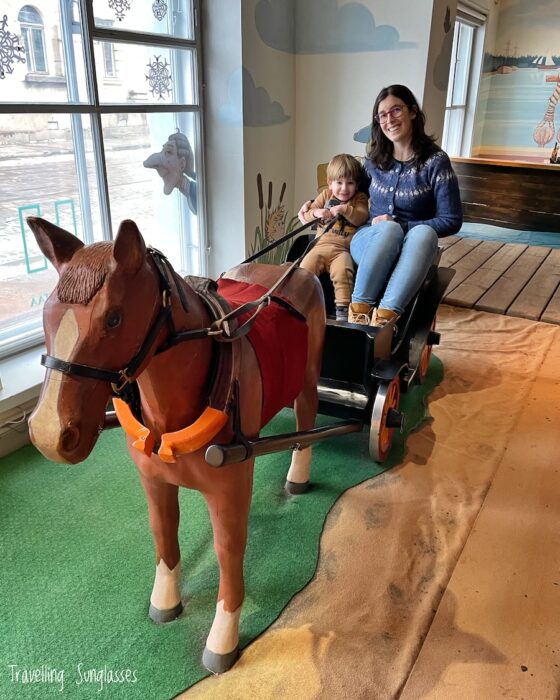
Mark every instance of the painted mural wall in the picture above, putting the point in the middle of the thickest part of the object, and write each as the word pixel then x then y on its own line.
pixel 302 91
pixel 517 115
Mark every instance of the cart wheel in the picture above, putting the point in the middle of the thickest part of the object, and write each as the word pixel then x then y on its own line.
pixel 385 417
pixel 424 364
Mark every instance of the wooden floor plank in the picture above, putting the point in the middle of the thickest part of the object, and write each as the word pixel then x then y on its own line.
pixel 471 262
pixel 448 241
pixel 457 251
pixel 535 296
pixel 502 293
pixel 551 314
pixel 468 292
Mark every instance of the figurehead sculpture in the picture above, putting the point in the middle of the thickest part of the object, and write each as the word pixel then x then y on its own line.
pixel 175 165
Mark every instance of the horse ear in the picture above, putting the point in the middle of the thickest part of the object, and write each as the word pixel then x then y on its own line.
pixel 129 249
pixel 56 244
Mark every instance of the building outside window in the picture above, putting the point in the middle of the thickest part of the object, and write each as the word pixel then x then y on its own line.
pixel 33 36
pixel 86 152
pixel 109 70
pixel 464 76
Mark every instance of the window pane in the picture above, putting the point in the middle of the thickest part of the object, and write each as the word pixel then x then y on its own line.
pixel 29 15
pixel 462 63
pixel 151 171
pixel 28 84
pixel 38 177
pixel 164 17
pixel 153 74
pixel 453 131
pixel 28 55
pixel 39 51
pixel 108 61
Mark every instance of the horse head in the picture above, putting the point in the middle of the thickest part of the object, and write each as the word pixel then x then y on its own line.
pixel 96 318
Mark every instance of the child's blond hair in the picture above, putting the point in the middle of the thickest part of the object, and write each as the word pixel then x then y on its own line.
pixel 344 166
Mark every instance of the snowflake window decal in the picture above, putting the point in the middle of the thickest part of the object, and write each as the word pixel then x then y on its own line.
pixel 159 78
pixel 159 8
pixel 10 49
pixel 120 7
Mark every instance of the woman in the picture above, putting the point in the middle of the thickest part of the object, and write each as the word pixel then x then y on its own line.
pixel 414 199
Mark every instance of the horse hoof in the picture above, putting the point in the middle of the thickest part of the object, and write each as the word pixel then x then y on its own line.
pixel 294 488
pixel 219 663
pixel 162 616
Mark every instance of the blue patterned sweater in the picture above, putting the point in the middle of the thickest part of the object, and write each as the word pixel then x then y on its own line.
pixel 417 195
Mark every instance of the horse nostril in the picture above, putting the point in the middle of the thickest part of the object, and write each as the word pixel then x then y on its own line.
pixel 69 439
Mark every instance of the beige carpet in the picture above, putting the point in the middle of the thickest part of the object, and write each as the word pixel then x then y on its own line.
pixel 441 578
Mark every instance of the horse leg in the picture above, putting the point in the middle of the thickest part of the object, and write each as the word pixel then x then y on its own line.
pixel 305 406
pixel 163 508
pixel 229 513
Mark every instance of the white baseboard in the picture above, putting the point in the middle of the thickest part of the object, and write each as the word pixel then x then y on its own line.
pixel 11 440
pixel 14 432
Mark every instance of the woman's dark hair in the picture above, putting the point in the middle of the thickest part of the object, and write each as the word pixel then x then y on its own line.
pixel 380 149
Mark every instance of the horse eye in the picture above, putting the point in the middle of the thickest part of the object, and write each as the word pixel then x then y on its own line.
pixel 113 319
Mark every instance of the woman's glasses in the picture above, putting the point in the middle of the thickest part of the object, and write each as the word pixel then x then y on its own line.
pixel 395 112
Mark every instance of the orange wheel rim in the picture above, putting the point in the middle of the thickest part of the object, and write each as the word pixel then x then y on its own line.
pixel 425 360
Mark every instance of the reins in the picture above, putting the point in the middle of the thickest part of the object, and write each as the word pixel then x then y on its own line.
pixel 122 380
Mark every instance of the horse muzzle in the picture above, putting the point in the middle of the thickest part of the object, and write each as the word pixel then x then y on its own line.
pixel 66 444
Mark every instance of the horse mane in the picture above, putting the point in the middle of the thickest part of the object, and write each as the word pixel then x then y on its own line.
pixel 85 274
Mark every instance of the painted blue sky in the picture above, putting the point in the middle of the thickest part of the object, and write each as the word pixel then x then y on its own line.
pixel 322 26
pixel 528 27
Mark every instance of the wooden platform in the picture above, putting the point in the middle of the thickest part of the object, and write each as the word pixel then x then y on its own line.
pixel 504 278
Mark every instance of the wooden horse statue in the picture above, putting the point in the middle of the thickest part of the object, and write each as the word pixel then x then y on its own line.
pixel 121 317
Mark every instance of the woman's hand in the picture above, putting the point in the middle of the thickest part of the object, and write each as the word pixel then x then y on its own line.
pixel 381 217
pixel 304 209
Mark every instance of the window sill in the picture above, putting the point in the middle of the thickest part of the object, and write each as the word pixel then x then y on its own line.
pixel 45 78
pixel 22 376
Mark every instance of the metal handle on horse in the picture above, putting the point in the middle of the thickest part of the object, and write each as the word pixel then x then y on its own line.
pixel 221 455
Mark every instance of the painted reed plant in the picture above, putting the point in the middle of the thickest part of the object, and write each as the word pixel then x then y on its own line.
pixel 272 226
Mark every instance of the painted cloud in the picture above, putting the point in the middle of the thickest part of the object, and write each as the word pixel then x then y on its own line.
pixel 363 134
pixel 257 108
pixel 321 26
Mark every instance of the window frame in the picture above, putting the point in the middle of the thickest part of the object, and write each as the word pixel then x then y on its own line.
pixel 476 19
pixel 28 31
pixel 17 337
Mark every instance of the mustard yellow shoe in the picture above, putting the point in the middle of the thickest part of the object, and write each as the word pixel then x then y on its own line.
pixel 382 317
pixel 360 312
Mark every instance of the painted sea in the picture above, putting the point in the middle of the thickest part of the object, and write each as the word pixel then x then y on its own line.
pixel 509 108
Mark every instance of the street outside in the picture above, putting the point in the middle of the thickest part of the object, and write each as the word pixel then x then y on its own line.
pixel 27 178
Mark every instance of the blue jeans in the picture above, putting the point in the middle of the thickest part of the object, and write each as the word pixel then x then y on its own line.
pixel 377 248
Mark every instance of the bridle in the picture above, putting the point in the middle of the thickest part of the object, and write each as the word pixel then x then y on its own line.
pixel 121 379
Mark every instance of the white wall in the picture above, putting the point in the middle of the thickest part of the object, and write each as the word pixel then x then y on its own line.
pixel 335 92
pixel 223 141
pixel 315 97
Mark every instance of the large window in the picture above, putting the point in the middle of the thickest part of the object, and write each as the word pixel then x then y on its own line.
pixel 113 132
pixel 464 74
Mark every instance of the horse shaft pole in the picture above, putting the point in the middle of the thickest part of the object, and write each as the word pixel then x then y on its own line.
pixel 221 455
pixel 111 420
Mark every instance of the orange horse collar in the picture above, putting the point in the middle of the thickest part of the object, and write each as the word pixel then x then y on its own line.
pixel 221 400
pixel 183 441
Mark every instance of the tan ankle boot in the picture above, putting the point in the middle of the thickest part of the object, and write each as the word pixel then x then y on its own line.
pixel 360 312
pixel 383 316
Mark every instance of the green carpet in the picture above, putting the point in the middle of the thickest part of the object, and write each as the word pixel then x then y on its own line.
pixel 78 563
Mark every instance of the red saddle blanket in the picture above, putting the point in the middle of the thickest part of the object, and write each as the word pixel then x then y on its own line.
pixel 279 339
